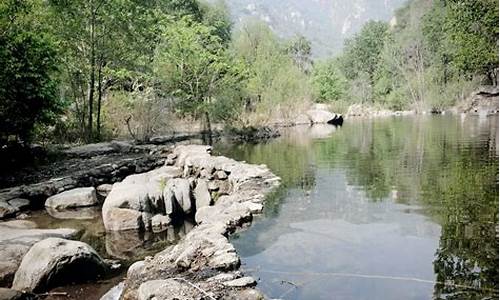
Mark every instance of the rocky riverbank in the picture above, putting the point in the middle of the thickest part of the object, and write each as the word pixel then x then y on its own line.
pixel 221 194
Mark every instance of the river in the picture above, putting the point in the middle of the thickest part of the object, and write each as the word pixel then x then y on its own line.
pixel 390 208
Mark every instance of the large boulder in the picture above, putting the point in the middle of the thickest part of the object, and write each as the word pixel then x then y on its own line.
pixel 133 202
pixel 79 197
pixel 16 238
pixel 320 116
pixel 54 261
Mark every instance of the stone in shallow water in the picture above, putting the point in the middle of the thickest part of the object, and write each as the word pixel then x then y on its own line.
pixel 80 197
pixel 84 213
pixel 56 261
pixel 240 282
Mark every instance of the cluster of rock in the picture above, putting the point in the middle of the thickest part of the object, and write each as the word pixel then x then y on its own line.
pixel 363 110
pixel 319 114
pixel 223 194
pixel 17 199
pixel 16 238
pixel 482 102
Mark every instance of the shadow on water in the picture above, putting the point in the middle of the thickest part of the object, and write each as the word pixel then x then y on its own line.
pixel 396 208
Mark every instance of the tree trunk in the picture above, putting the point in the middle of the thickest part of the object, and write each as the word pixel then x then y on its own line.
pixel 99 100
pixel 92 77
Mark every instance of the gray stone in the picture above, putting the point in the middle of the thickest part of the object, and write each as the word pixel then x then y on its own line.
pixel 223 277
pixel 10 294
pixel 168 289
pixel 220 175
pixel 318 116
pixel 19 203
pixel 56 261
pixel 84 213
pixel 79 197
pixel 103 190
pixel 114 293
pixel 160 223
pixel 240 282
pixel 178 193
pixel 201 194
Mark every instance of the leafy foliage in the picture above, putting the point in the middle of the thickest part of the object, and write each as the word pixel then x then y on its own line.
pixel 28 72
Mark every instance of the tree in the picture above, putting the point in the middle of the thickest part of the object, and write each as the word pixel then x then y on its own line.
pixel 192 65
pixel 329 84
pixel 28 72
pixel 362 52
pixel 299 49
pixel 472 30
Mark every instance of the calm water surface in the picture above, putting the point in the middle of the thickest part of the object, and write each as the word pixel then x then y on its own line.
pixel 396 208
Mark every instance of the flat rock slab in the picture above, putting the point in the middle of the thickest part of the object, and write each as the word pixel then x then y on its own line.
pixel 79 197
pixel 54 261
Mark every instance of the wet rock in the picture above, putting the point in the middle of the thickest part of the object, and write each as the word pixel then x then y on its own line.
pixel 79 197
pixel 168 289
pixel 10 294
pixel 241 282
pixel 160 223
pixel 16 238
pixel 54 261
pixel 201 194
pixel 132 202
pixel 19 203
pixel 117 219
pixel 84 213
pixel 178 194
pixel 9 208
pixel 206 247
pixel 114 293
pixel 233 215
pixel 103 190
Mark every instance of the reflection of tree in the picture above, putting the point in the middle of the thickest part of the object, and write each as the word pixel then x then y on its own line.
pixel 444 166
pixel 468 248
pixel 289 160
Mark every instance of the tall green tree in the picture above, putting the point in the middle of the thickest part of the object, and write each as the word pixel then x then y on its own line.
pixel 192 65
pixel 28 71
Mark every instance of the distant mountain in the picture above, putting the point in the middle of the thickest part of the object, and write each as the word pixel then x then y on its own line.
pixel 326 23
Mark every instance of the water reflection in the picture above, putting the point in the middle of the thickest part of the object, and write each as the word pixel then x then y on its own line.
pixel 127 246
pixel 379 209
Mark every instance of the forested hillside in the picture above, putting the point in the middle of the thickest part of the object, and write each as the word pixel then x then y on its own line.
pixel 431 55
pixel 84 71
